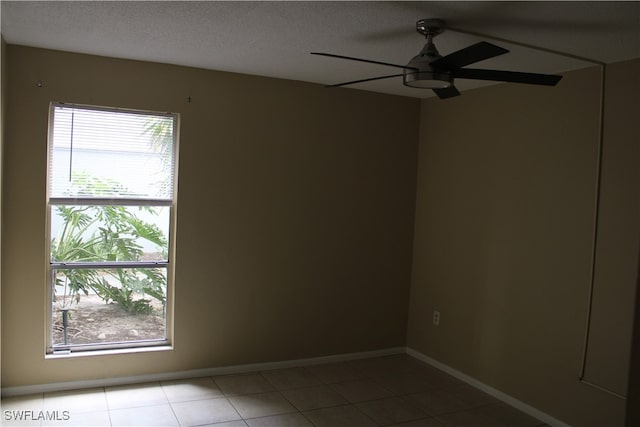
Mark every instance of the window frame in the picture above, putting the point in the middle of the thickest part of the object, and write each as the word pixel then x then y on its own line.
pixel 169 264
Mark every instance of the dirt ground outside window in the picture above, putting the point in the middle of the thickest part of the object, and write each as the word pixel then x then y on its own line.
pixel 92 321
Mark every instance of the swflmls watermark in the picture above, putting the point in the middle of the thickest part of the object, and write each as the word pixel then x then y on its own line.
pixel 26 415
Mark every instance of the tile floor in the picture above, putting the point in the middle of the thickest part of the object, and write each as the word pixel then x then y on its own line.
pixel 384 391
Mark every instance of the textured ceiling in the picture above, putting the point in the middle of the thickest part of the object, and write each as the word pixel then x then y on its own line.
pixel 274 38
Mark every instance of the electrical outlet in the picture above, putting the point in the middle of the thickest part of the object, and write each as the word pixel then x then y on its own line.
pixel 436 317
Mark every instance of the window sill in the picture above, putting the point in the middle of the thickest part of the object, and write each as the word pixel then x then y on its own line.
pixel 106 352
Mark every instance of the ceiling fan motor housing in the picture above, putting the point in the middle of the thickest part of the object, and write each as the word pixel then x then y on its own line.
pixel 419 72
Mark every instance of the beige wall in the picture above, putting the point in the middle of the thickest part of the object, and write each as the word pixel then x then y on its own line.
pixel 295 214
pixel 503 241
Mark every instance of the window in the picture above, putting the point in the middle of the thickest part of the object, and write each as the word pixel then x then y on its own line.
pixel 111 222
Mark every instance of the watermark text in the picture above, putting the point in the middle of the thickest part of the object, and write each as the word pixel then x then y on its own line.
pixel 27 415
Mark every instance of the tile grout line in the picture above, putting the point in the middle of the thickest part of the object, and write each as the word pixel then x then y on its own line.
pixel 170 405
pixel 106 400
pixel 243 419
pixel 299 411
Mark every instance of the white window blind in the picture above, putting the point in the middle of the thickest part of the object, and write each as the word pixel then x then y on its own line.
pixel 111 154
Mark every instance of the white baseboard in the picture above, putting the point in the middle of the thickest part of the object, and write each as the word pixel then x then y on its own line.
pixel 511 401
pixel 194 373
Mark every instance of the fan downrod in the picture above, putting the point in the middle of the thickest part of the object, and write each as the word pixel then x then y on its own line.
pixel 430 26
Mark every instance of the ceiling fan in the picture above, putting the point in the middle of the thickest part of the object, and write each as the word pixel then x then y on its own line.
pixel 430 70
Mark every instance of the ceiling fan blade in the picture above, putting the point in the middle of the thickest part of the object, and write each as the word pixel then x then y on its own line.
pixel 365 80
pixel 447 92
pixel 507 76
pixel 331 55
pixel 468 55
